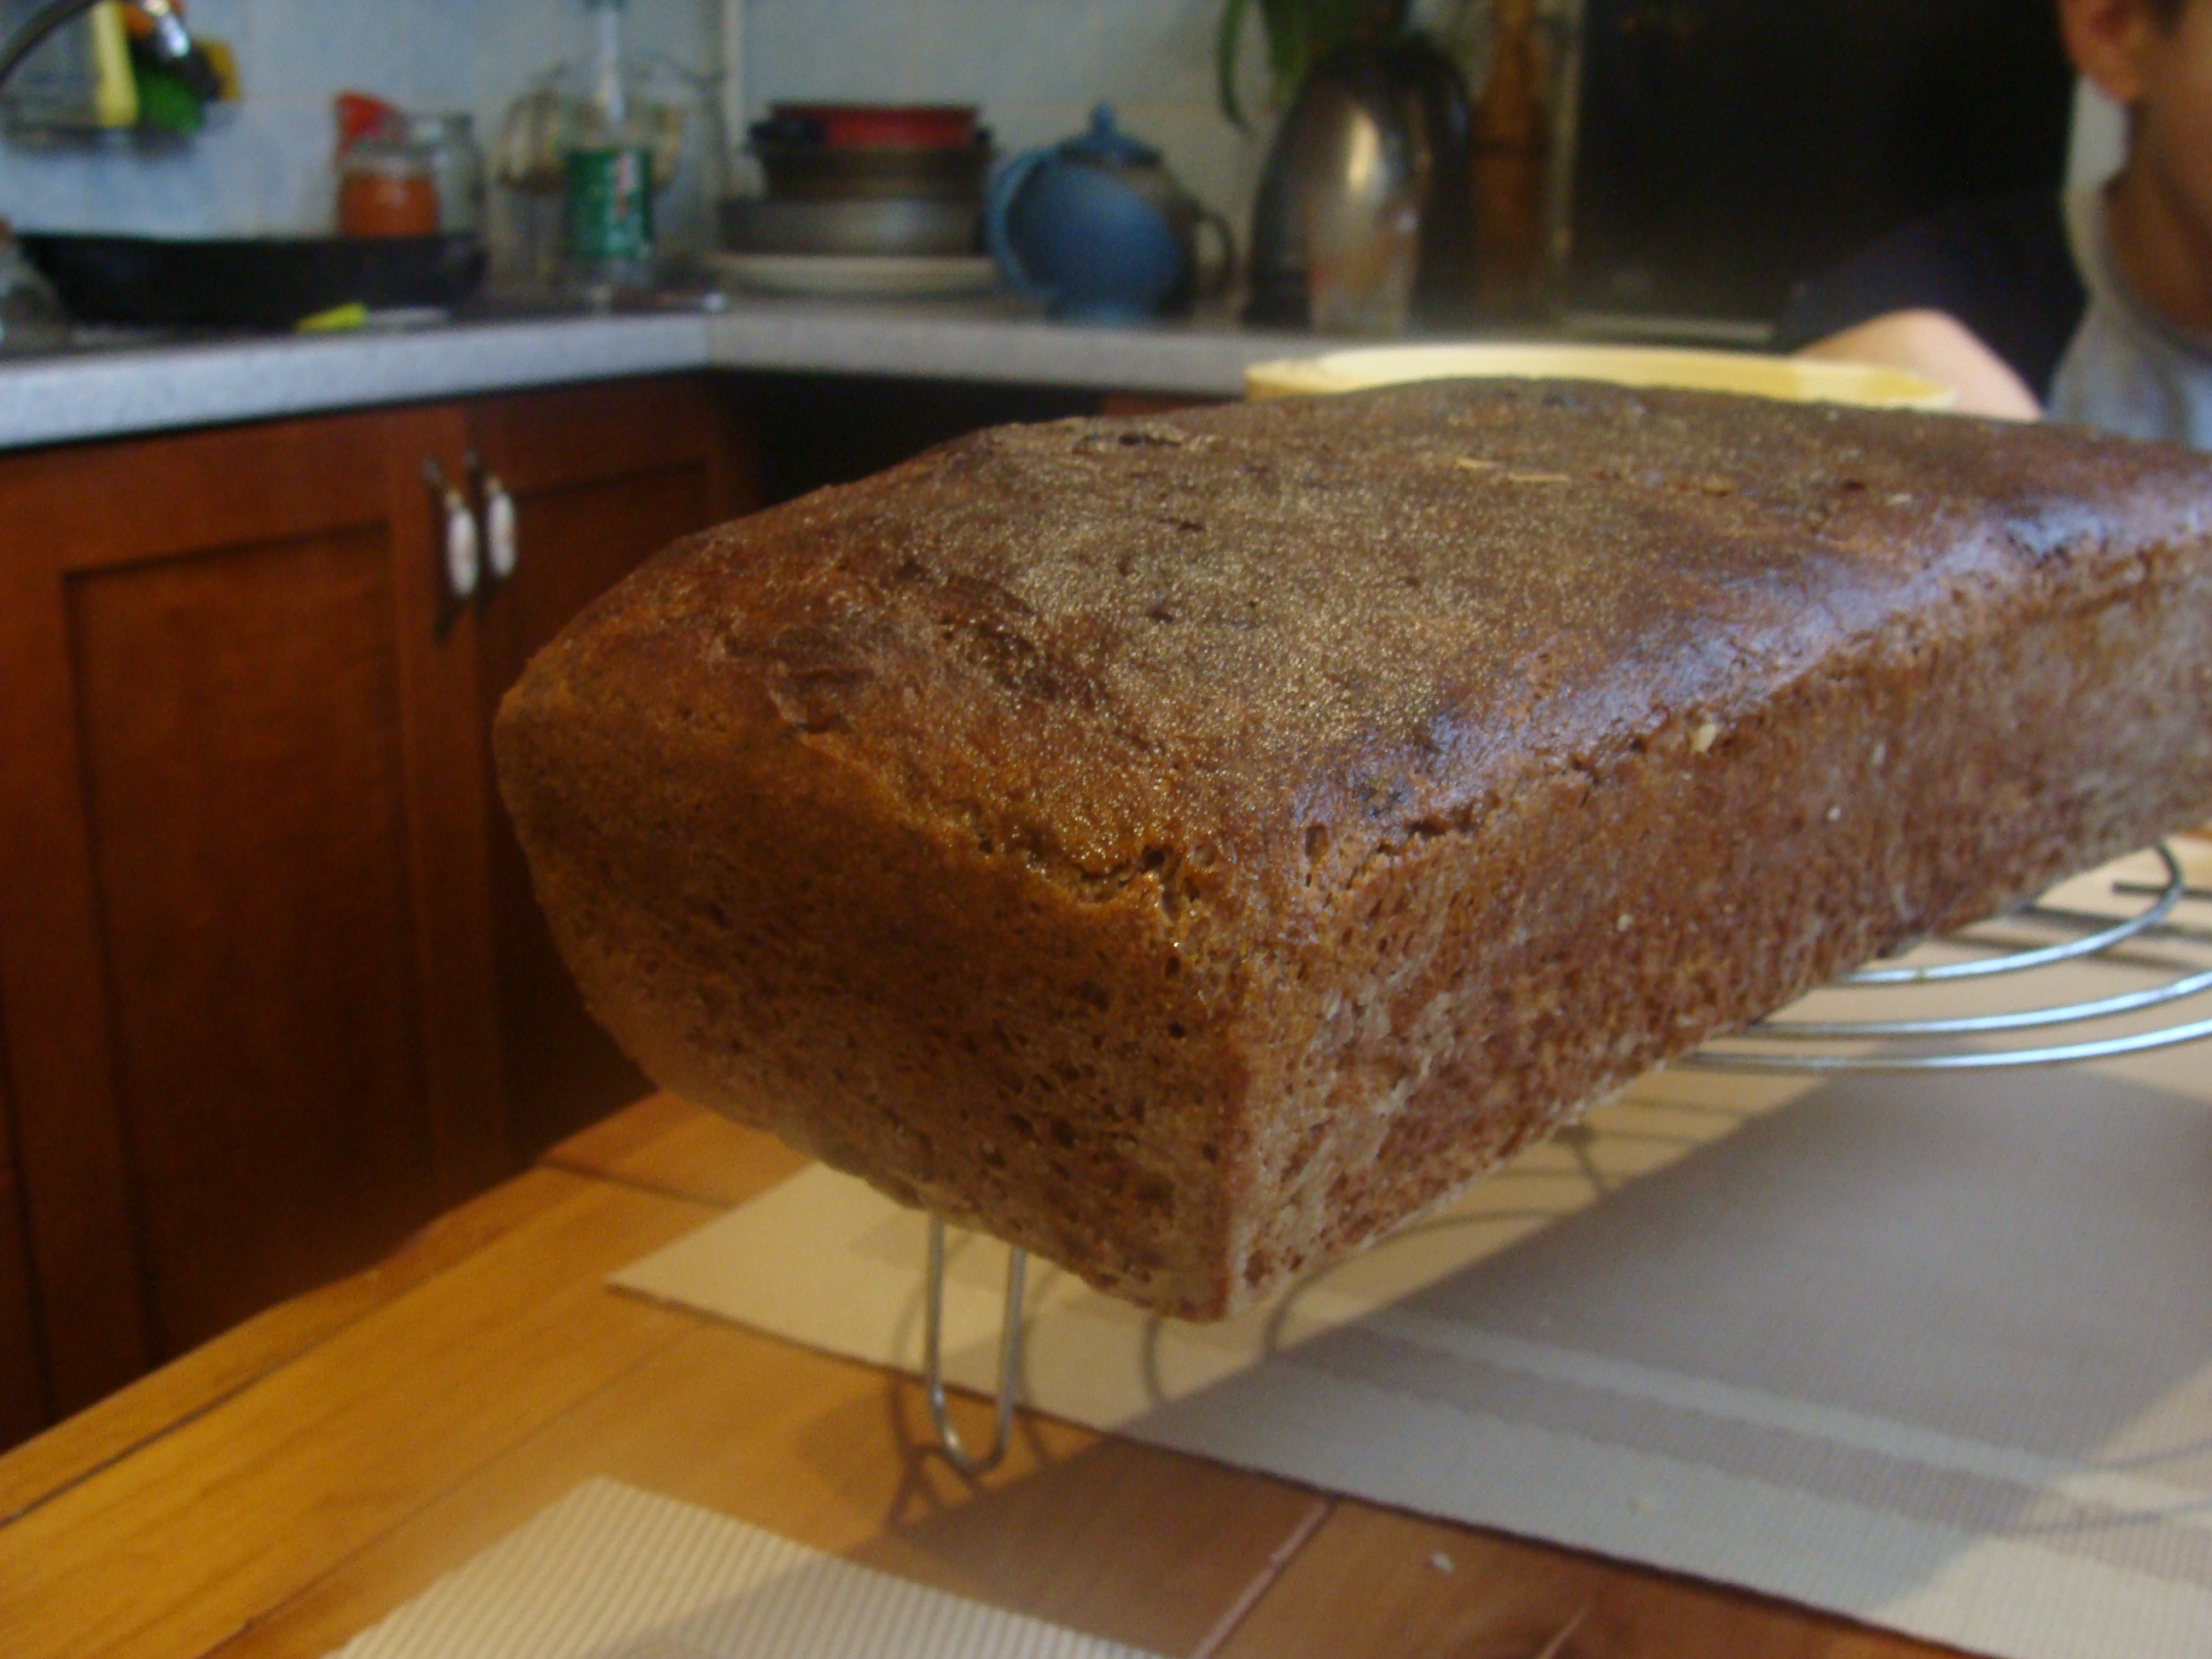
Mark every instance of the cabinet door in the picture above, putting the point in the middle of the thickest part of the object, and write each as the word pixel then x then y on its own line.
pixel 23 1408
pixel 602 478
pixel 245 971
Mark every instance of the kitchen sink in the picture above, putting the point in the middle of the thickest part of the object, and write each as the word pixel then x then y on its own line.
pixel 255 283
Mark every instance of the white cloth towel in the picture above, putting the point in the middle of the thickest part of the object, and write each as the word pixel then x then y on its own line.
pixel 1932 1352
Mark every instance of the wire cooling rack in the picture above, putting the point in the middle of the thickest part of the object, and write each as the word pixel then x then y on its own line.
pixel 2020 952
pixel 1991 952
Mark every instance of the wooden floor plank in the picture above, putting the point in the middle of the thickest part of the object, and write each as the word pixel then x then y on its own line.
pixel 1122 1541
pixel 593 1149
pixel 668 1145
pixel 193 1537
pixel 288 1484
pixel 189 1385
pixel 1374 1581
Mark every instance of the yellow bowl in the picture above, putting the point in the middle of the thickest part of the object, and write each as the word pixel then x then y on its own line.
pixel 1796 379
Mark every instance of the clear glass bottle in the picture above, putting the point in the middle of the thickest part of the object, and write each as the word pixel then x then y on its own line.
pixel 681 111
pixel 449 137
pixel 526 230
pixel 608 172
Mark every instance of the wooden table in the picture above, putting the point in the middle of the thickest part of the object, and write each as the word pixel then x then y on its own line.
pixel 292 1481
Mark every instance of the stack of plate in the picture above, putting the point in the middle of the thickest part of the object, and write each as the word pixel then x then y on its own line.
pixel 863 199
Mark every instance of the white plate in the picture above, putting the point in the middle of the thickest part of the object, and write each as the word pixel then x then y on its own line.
pixel 857 274
pixel 1797 379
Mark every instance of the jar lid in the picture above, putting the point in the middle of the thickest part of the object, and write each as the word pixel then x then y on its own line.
pixel 386 158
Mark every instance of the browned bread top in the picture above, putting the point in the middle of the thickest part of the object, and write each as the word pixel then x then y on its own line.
pixel 1189 847
pixel 1249 640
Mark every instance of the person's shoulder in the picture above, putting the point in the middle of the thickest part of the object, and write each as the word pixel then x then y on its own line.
pixel 2000 265
pixel 2016 243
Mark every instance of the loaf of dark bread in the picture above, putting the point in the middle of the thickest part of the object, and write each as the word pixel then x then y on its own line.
pixel 1189 846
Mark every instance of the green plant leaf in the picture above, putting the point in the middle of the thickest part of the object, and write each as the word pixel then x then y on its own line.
pixel 1299 34
pixel 1289 43
pixel 1225 42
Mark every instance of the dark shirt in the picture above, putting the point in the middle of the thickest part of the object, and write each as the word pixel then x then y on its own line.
pixel 2002 267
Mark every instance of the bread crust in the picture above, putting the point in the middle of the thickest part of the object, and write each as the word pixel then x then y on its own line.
pixel 1187 847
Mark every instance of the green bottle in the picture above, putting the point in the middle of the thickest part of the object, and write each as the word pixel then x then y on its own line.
pixel 607 174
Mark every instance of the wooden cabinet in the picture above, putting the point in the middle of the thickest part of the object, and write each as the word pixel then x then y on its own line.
pixel 602 478
pixel 265 950
pixel 23 1405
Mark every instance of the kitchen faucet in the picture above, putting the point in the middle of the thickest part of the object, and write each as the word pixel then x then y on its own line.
pixel 171 46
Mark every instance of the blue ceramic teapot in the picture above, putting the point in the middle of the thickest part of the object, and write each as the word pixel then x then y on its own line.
pixel 1098 228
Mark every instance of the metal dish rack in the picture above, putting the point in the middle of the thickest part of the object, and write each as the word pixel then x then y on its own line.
pixel 1799 1045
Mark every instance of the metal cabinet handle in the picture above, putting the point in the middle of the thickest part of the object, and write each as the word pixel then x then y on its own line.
pixel 464 548
pixel 502 542
pixel 459 548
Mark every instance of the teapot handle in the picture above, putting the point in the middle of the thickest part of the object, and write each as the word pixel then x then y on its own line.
pixel 1006 184
pixel 1217 284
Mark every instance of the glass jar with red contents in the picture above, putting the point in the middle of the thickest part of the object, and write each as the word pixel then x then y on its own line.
pixel 387 186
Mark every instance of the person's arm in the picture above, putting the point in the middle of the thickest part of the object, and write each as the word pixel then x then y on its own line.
pixel 1939 347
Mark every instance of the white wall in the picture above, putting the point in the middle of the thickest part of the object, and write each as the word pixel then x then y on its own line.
pixel 267 170
pixel 1036 66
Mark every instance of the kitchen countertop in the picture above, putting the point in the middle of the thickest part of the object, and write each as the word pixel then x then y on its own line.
pixel 111 392
pixel 295 1479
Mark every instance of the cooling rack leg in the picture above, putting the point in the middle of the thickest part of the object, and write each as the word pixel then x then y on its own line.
pixel 933 1358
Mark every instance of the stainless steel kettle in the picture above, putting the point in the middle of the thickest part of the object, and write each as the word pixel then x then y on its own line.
pixel 1365 221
